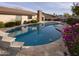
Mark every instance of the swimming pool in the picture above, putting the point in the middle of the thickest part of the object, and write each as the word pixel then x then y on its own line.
pixel 36 34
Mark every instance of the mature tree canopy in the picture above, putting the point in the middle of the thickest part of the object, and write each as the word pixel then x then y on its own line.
pixel 75 9
pixel 67 15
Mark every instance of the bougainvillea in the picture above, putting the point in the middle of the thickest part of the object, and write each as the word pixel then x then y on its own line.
pixel 71 38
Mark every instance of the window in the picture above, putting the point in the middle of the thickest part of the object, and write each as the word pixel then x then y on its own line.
pixel 29 17
pixel 18 17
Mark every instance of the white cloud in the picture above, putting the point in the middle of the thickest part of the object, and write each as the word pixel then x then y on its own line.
pixel 49 7
pixel 5 4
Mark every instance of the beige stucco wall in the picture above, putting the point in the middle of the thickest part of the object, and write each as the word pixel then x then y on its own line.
pixel 25 18
pixel 7 18
pixel 34 17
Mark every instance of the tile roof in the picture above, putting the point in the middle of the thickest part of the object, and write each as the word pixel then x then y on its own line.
pixel 15 11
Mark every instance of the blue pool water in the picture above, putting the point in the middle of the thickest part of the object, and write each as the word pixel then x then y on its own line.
pixel 37 34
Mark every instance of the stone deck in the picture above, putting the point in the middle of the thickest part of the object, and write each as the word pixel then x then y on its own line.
pixel 56 48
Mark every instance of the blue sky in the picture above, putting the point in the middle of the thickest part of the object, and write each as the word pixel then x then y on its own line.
pixel 48 7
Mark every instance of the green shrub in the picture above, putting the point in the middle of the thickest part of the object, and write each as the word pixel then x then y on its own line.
pixel 34 21
pixel 17 23
pixel 25 22
pixel 9 24
pixel 2 25
pixel 72 21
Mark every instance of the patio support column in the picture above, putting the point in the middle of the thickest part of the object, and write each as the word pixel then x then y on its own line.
pixel 39 15
pixel 24 18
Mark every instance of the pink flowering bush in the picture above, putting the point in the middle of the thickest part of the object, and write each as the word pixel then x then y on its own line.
pixel 71 38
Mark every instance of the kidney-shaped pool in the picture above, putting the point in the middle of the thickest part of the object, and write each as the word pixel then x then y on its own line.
pixel 36 34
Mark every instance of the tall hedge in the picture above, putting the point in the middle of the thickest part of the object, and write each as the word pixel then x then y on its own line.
pixel 72 21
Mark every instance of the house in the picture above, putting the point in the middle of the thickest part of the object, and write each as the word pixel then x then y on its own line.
pixel 12 14
pixel 49 17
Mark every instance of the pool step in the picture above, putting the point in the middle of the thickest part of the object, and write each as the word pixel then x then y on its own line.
pixel 6 41
pixel 10 43
pixel 17 45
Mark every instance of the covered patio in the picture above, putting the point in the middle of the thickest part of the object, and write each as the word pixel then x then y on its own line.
pixel 16 11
